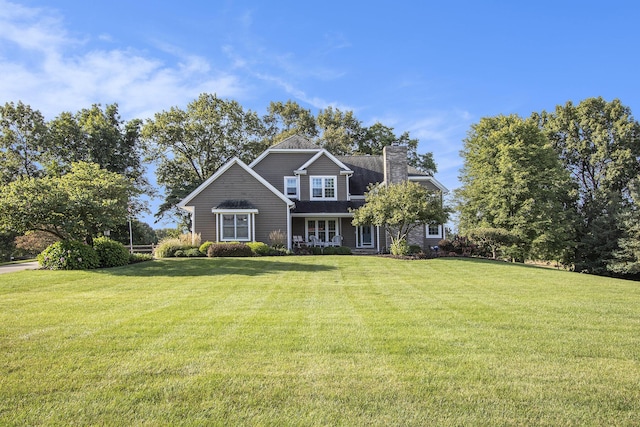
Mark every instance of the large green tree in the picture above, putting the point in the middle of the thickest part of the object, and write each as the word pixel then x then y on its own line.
pixel 340 131
pixel 287 119
pixel 377 136
pixel 190 145
pixel 400 208
pixel 598 142
pixel 79 205
pixel 512 179
pixel 100 136
pixel 22 142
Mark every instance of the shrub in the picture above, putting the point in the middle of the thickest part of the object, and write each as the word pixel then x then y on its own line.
pixel 179 253
pixel 400 248
pixel 69 255
pixel 110 253
pixel 229 250
pixel 168 247
pixel 331 250
pixel 205 247
pixel 193 253
pixel 259 248
pixel 414 249
pixel 136 258
pixel 278 239
pixel 343 250
pixel 190 239
pixel 458 245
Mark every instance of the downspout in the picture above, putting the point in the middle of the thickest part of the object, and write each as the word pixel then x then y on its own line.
pixel 289 237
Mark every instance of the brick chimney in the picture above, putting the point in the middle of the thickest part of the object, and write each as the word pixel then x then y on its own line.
pixel 395 163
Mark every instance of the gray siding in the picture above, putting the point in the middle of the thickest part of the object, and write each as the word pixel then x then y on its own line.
pixel 238 184
pixel 323 166
pixel 276 166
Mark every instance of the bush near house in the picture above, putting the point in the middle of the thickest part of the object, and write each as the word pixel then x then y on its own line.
pixel 457 245
pixel 204 248
pixel 229 250
pixel 168 248
pixel 191 252
pixel 331 250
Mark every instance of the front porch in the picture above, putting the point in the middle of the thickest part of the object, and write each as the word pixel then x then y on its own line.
pixel 325 231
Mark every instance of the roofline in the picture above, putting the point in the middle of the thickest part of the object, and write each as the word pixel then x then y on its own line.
pixel 330 156
pixel 282 150
pixel 222 170
pixel 431 179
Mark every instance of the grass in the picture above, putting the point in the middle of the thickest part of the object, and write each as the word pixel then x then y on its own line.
pixel 319 341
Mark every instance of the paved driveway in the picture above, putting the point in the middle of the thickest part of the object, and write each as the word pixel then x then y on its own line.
pixel 10 268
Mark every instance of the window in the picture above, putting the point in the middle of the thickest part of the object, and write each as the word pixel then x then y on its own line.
pixel 434 231
pixel 235 227
pixel 323 229
pixel 323 188
pixel 291 187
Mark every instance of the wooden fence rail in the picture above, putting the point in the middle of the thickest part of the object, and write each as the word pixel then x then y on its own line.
pixel 143 249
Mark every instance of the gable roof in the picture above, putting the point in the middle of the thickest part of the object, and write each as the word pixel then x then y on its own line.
pixel 235 161
pixel 296 142
pixel 330 156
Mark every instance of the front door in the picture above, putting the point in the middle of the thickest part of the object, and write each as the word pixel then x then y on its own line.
pixel 364 238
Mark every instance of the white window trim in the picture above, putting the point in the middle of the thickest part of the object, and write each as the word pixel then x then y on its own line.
pixel 324 178
pixel 297 195
pixel 433 236
pixel 337 231
pixel 251 223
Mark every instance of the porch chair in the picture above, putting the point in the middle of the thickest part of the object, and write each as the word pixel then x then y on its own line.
pixel 314 241
pixel 336 241
pixel 298 241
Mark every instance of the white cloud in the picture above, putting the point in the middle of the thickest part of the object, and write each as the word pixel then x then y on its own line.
pixel 43 66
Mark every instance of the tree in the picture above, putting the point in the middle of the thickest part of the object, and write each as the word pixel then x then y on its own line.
pixel 400 208
pixel 98 136
pixel 378 136
pixel 598 142
pixel 288 119
pixel 189 146
pixel 76 206
pixel 512 179
pixel 491 238
pixel 340 131
pixel 22 136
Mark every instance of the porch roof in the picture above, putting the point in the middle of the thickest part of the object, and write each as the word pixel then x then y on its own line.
pixel 326 207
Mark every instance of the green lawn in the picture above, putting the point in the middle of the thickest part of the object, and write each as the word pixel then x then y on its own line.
pixel 319 341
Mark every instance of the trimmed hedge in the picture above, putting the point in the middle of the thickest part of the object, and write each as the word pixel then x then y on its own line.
pixel 69 255
pixel 229 250
pixel 331 250
pixel 204 248
pixel 110 253
pixel 259 248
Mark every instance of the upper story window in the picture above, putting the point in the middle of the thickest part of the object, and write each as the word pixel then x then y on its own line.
pixel 291 187
pixel 323 188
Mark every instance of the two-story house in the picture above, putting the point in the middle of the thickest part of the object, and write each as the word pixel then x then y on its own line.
pixel 304 191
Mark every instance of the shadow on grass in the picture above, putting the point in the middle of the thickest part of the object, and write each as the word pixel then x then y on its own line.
pixel 213 267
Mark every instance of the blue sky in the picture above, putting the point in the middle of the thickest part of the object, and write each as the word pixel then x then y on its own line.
pixel 430 68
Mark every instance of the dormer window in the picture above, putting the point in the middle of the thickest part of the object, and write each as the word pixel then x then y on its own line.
pixel 291 187
pixel 323 188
